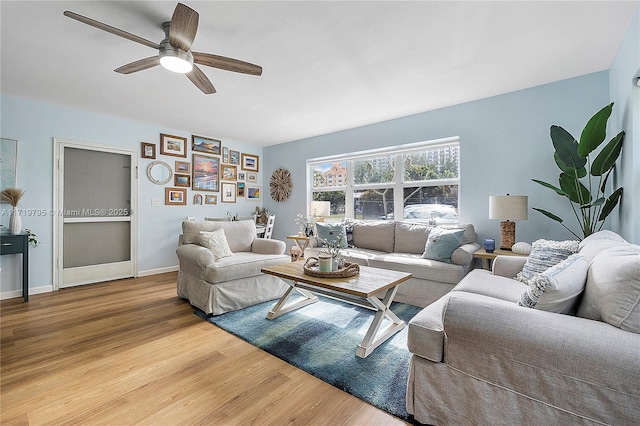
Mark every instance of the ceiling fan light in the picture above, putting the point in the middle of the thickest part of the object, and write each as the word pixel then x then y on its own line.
pixel 175 64
pixel 174 59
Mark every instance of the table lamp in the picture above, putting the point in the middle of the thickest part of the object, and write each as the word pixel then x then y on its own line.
pixel 508 208
pixel 320 209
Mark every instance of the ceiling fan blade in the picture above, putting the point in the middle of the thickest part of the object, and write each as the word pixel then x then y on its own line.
pixel 198 78
pixel 224 63
pixel 139 65
pixel 183 27
pixel 110 29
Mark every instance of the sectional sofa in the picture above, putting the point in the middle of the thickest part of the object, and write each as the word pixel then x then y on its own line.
pixel 400 245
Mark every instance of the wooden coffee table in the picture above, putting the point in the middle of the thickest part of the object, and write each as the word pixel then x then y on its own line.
pixel 360 290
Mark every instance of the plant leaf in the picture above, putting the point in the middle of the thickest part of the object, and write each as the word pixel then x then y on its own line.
pixel 574 189
pixel 579 173
pixel 566 148
pixel 611 204
pixel 549 214
pixel 548 185
pixel 595 131
pixel 608 156
pixel 594 204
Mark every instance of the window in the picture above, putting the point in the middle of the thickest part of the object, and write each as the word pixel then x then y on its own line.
pixel 419 180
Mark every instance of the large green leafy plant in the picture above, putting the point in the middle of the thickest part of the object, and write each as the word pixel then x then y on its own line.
pixel 583 180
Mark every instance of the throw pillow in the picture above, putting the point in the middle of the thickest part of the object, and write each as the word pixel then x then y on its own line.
pixel 558 288
pixel 441 243
pixel 545 254
pixel 612 293
pixel 216 241
pixel 331 232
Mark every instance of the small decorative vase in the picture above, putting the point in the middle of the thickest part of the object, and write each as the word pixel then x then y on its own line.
pixel 15 222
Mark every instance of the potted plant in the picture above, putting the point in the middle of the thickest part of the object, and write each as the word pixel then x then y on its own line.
pixel 583 179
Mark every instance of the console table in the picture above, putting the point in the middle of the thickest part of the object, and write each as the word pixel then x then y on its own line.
pixel 16 244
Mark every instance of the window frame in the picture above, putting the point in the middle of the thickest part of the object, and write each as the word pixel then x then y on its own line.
pixel 398 183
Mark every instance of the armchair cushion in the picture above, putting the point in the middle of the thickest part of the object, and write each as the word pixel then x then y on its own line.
pixel 612 292
pixel 544 255
pixel 216 241
pixel 557 288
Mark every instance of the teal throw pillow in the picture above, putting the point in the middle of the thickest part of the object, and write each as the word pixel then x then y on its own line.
pixel 331 232
pixel 441 243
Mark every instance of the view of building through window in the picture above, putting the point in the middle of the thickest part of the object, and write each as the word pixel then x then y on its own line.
pixel 421 181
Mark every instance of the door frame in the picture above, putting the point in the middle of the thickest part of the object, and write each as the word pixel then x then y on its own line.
pixel 58 202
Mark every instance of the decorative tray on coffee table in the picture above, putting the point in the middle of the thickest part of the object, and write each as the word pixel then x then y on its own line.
pixel 311 267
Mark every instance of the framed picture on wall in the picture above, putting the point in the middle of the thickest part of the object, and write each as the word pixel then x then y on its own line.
pixel 181 180
pixel 241 175
pixel 250 162
pixel 252 177
pixel 211 199
pixel 229 172
pixel 234 157
pixel 228 192
pixel 197 200
pixel 205 173
pixel 225 155
pixel 175 196
pixel 183 167
pixel 240 191
pixel 253 192
pixel 173 145
pixel 206 145
pixel 148 150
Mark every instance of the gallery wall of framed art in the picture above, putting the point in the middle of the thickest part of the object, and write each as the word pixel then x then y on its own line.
pixel 207 175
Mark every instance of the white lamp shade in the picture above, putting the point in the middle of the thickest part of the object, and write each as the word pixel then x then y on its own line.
pixel 508 207
pixel 320 208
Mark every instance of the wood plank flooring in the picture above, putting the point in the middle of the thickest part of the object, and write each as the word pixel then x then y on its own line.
pixel 132 352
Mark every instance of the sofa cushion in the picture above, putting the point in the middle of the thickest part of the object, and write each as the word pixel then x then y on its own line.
pixel 545 254
pixel 481 281
pixel 216 241
pixel 426 269
pixel 374 235
pixel 441 243
pixel 241 265
pixel 425 336
pixel 612 292
pixel 469 236
pixel 557 288
pixel 331 232
pixel 411 237
pixel 597 242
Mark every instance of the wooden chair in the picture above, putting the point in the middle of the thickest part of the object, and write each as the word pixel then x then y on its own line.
pixel 268 231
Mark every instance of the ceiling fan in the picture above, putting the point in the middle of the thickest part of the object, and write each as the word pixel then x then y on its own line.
pixel 174 52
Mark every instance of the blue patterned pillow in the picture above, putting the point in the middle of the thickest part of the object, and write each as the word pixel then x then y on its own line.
pixel 441 243
pixel 545 254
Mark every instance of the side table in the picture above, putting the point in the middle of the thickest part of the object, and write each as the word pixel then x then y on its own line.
pixel 486 257
pixel 300 239
pixel 16 244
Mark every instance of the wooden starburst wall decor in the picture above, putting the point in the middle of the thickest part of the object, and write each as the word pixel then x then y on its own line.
pixel 281 185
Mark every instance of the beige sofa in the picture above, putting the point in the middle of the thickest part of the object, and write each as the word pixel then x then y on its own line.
pixel 399 245
pixel 233 282
pixel 480 358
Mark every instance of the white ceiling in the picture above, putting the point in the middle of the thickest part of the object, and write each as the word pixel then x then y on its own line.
pixel 328 66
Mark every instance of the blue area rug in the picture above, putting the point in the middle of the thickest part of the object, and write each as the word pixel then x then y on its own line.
pixel 321 339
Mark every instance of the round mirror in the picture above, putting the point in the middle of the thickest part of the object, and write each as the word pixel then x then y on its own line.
pixel 159 172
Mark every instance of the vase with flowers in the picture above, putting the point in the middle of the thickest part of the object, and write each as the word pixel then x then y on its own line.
pixel 306 226
pixel 333 248
pixel 12 196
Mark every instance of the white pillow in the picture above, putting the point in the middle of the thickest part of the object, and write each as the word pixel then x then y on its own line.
pixel 216 241
pixel 545 254
pixel 558 288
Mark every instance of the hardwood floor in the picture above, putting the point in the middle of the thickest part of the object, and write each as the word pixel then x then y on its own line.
pixel 132 352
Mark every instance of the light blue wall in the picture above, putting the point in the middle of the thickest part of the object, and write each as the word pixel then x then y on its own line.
pixel 626 95
pixel 504 142
pixel 35 124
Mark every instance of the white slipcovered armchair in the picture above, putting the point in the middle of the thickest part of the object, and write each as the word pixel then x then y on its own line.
pixel 219 285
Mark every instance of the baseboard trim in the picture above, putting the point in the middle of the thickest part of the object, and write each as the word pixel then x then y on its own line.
pixel 158 271
pixel 32 290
